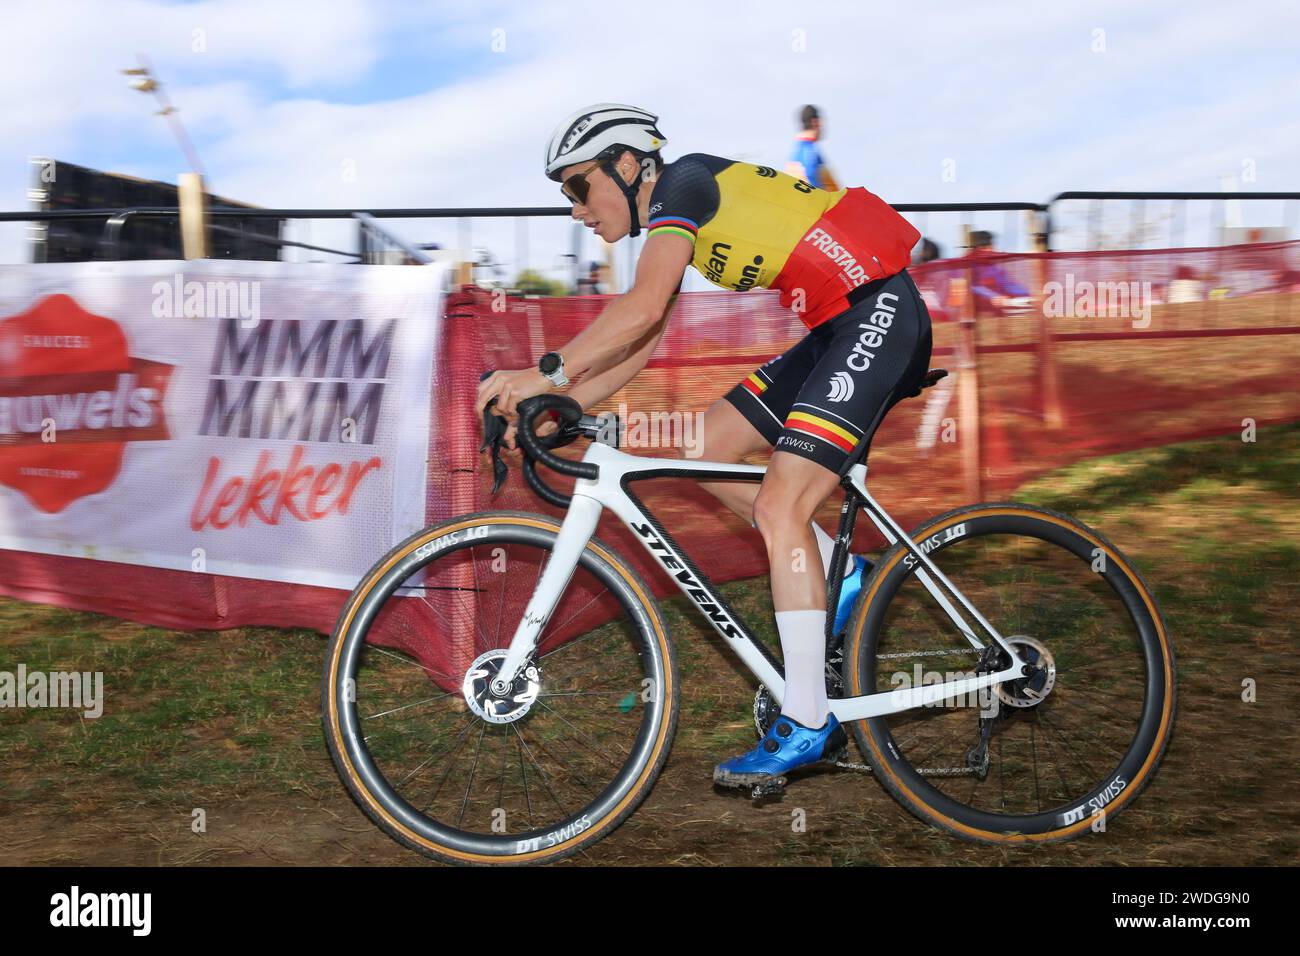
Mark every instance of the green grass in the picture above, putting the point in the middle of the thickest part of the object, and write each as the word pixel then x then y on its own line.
pixel 1191 473
pixel 201 711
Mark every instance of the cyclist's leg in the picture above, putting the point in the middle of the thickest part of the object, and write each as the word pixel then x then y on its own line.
pixel 727 435
pixel 749 418
pixel 792 491
pixel 875 354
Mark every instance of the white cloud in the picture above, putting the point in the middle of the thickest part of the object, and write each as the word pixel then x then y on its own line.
pixel 1012 91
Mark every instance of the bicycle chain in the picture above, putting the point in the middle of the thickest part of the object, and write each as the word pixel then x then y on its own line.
pixel 846 765
pixel 924 772
pixel 941 653
pixel 835 683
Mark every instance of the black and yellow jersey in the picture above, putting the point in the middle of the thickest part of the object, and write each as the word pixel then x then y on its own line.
pixel 753 226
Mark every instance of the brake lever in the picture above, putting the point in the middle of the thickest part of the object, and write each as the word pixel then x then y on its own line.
pixel 494 433
pixel 565 433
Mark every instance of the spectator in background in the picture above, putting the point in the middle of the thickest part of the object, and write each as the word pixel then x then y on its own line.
pixel 1284 280
pixel 1186 286
pixel 994 290
pixel 807 162
pixel 590 283
pixel 927 282
pixel 927 250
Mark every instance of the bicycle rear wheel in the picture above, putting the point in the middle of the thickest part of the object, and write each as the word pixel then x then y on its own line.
pixel 1043 758
pixel 459 774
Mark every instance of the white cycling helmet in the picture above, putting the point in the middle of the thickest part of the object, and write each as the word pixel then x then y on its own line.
pixel 594 130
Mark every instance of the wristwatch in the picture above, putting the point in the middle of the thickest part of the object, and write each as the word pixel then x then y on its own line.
pixel 552 366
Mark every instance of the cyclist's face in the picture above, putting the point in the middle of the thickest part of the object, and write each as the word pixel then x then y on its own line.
pixel 604 209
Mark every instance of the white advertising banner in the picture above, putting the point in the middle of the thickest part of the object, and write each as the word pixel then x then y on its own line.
pixel 256 419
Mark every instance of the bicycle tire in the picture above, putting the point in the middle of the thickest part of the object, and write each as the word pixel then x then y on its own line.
pixel 909 787
pixel 376 797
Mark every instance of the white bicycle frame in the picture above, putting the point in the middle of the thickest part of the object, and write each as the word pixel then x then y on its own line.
pixel 610 490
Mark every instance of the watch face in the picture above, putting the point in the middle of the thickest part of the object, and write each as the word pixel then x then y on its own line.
pixel 549 363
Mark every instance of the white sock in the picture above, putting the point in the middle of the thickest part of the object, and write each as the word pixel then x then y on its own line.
pixel 826 545
pixel 803 646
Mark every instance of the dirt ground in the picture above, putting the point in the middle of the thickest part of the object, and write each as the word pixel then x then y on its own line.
pixel 210 751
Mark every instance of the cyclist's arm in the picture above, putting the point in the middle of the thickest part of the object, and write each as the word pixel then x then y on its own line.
pixel 630 317
pixel 612 362
pixel 594 389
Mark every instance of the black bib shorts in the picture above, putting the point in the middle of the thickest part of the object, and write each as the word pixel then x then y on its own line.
pixel 823 395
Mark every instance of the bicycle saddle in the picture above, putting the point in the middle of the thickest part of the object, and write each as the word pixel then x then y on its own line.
pixel 931 377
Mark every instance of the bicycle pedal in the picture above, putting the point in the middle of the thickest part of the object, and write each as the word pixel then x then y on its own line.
pixel 768 788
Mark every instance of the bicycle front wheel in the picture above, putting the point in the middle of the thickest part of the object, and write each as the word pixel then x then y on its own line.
pixel 1042 758
pixel 458 773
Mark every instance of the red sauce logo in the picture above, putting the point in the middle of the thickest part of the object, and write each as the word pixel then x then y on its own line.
pixel 71 397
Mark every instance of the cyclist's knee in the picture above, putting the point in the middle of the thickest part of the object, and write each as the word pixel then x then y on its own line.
pixel 792 491
pixel 778 510
pixel 766 517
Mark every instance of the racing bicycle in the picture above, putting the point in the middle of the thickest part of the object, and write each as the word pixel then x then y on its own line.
pixel 1006 674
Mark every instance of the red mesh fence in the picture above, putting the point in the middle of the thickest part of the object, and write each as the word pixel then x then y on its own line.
pixel 1205 340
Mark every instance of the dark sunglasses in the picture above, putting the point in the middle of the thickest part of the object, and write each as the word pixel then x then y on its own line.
pixel 576 188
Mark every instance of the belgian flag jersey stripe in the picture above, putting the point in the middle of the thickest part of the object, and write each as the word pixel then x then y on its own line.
pixel 755 227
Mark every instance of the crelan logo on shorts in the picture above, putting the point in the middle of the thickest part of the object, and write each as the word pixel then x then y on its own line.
pixel 875 329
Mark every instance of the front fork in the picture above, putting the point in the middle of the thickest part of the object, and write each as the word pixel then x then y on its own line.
pixel 575 532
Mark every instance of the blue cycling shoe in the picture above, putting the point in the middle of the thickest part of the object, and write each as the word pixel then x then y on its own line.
pixel 786 746
pixel 849 591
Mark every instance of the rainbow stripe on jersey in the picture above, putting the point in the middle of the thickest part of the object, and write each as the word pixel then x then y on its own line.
pixel 674 225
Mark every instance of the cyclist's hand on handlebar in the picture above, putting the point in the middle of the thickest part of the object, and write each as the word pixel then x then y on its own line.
pixel 544 428
pixel 510 388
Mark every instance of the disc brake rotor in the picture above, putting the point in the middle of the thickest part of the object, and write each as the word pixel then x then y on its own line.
pixel 504 708
pixel 1033 688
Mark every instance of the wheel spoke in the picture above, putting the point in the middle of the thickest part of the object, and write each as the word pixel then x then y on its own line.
pixel 561 743
pixel 1045 599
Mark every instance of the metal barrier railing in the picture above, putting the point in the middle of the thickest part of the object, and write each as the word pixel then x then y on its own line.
pixel 1043 220
pixel 373 239
pixel 1178 206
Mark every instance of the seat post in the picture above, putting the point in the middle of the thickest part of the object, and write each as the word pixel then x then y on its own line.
pixel 843 538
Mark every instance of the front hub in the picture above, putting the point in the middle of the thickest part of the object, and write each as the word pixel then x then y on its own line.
pixel 501 708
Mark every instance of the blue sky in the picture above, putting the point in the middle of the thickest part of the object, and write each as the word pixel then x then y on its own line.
pixel 386 103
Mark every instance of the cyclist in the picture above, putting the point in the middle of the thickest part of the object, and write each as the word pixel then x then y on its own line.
pixel 838 260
